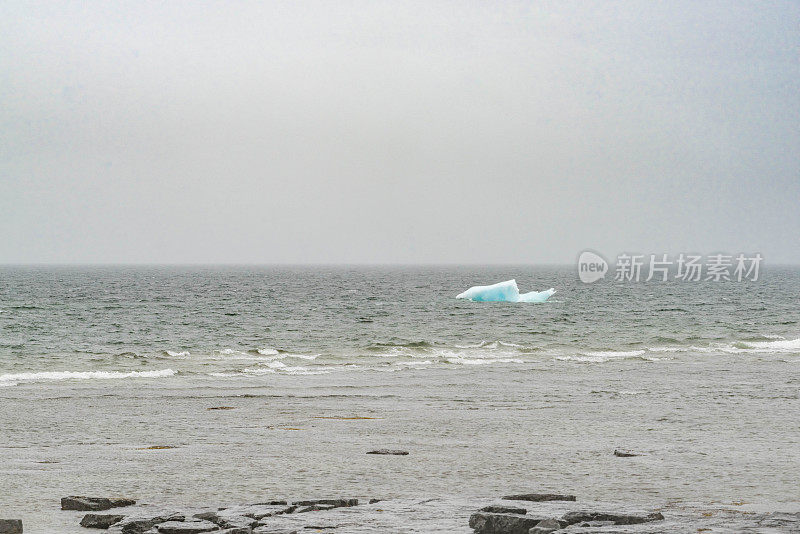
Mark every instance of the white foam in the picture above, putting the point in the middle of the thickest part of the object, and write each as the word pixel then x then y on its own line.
pixel 744 347
pixel 84 375
pixel 302 356
pixel 615 354
pixel 411 364
pixel 304 371
pixel 482 361
pixel 267 352
pixel 781 345
pixel 180 354
pixel 489 345
pixel 259 372
pixel 603 356
pixel 586 359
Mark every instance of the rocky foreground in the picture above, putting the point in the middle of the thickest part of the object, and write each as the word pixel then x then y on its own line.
pixel 526 513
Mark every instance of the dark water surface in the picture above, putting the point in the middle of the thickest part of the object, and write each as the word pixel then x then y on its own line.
pixel 99 363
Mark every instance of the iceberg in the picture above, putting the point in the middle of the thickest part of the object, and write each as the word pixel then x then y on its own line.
pixel 504 292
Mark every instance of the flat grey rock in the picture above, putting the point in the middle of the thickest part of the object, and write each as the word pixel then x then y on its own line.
pixel 328 502
pixel 539 497
pixel 390 452
pixel 93 504
pixel 10 526
pixel 102 521
pixel 186 527
pixel 142 521
pixel 546 526
pixel 500 509
pixel 489 523
pixel 572 518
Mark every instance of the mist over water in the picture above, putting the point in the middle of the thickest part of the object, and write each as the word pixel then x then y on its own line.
pixel 98 363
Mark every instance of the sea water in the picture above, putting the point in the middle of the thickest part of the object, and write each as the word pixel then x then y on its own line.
pixel 317 365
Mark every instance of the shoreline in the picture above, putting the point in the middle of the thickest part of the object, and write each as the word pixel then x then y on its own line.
pixel 536 513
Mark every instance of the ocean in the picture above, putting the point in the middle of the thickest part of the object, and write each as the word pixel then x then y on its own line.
pixel 312 366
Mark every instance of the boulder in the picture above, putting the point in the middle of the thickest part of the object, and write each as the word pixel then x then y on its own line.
pixel 624 454
pixel 499 509
pixel 373 501
pixel 197 526
pixel 572 518
pixel 93 504
pixel 10 526
pixel 244 530
pixel 100 520
pixel 275 530
pixel 539 497
pixel 489 523
pixel 394 452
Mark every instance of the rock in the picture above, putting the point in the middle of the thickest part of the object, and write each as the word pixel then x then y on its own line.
pixel 236 522
pixel 624 454
pixel 373 501
pixel 571 518
pixel 100 520
pixel 255 511
pixel 499 509
pixel 10 526
pixel 140 523
pixel 489 523
pixel 274 530
pixel 93 504
pixel 333 502
pixel 545 527
pixel 539 497
pixel 245 530
pixel 316 508
pixel 186 527
pixel 389 451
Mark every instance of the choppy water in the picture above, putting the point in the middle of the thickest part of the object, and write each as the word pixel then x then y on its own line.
pixel 96 364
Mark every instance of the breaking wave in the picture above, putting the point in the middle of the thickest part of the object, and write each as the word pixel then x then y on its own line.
pixel 83 375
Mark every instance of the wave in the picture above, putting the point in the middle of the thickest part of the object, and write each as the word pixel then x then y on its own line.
pixel 780 345
pixel 481 361
pixel 608 356
pixel 615 353
pixel 177 354
pixel 83 375
pixel 490 345
pixel 739 347
pixel 285 370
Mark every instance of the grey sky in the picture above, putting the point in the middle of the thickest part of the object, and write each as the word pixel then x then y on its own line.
pixel 252 132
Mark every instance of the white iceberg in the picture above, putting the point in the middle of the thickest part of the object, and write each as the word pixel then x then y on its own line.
pixel 504 292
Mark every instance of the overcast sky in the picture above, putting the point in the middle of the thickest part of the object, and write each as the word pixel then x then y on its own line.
pixel 349 132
